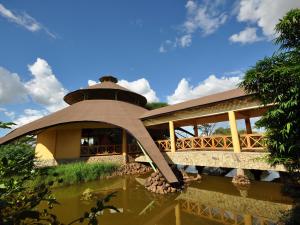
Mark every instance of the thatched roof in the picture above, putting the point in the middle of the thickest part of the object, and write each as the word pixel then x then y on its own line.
pixel 198 102
pixel 121 114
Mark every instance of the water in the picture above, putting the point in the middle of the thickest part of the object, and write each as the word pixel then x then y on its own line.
pixel 212 201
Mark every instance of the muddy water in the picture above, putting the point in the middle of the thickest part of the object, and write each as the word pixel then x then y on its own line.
pixel 212 201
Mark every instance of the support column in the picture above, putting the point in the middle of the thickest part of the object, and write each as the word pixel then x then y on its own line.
pixel 124 145
pixel 234 132
pixel 172 136
pixel 196 130
pixel 247 219
pixel 248 126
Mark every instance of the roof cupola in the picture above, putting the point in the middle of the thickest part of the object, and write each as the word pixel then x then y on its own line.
pixel 107 89
pixel 108 78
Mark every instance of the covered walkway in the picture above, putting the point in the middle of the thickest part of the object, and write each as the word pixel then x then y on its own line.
pixel 233 150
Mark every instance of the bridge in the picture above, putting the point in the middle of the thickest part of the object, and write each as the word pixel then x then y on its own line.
pixel 235 150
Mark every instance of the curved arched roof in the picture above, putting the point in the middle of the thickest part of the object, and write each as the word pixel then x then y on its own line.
pixel 118 113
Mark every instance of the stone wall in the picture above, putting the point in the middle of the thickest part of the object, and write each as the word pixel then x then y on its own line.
pixel 106 158
pixel 244 160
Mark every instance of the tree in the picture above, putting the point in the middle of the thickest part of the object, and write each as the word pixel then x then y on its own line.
pixel 207 128
pixel 155 105
pixel 275 81
pixel 222 131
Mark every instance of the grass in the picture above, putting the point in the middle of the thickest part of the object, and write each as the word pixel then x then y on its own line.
pixel 73 173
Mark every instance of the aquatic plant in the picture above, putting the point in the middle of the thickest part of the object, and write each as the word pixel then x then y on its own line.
pixel 73 173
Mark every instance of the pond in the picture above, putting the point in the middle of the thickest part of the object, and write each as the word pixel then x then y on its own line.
pixel 214 200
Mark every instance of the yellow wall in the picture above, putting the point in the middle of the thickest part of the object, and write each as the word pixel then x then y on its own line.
pixel 58 144
pixel 45 148
pixel 68 144
pixel 63 141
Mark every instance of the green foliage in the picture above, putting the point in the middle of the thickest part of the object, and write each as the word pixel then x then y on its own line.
pixel 6 125
pixel 288 30
pixel 17 199
pixel 155 105
pixel 275 80
pixel 222 131
pixel 226 131
pixel 19 154
pixel 20 193
pixel 81 172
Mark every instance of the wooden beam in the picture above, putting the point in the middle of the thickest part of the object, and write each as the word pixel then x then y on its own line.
pixel 234 132
pixel 185 131
pixel 248 126
pixel 172 136
pixel 196 130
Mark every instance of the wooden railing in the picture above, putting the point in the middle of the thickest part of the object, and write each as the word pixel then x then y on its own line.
pixel 112 149
pixel 248 142
pixel 219 215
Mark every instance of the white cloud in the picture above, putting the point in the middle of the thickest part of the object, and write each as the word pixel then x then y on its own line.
pixel 184 41
pixel 91 82
pixel 27 116
pixel 265 14
pixel 211 85
pixel 44 88
pixel 7 113
pixel 11 87
pixel 246 36
pixel 140 86
pixel 162 49
pixel 23 20
pixel 204 18
pixel 167 45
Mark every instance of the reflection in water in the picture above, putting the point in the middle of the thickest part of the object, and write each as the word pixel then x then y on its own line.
pixel 213 201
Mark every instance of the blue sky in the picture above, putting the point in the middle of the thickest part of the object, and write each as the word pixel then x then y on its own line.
pixel 170 50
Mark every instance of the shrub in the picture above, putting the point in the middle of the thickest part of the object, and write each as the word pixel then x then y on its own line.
pixel 81 172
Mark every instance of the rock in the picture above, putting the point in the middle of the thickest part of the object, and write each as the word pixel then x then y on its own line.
pixel 131 169
pixel 87 194
pixel 156 183
pixel 241 180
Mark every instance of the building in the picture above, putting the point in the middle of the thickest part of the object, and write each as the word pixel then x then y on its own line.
pixel 106 122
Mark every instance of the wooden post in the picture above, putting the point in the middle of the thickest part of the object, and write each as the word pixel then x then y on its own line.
pixel 177 215
pixel 247 219
pixel 124 145
pixel 196 131
pixel 248 126
pixel 172 136
pixel 234 132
